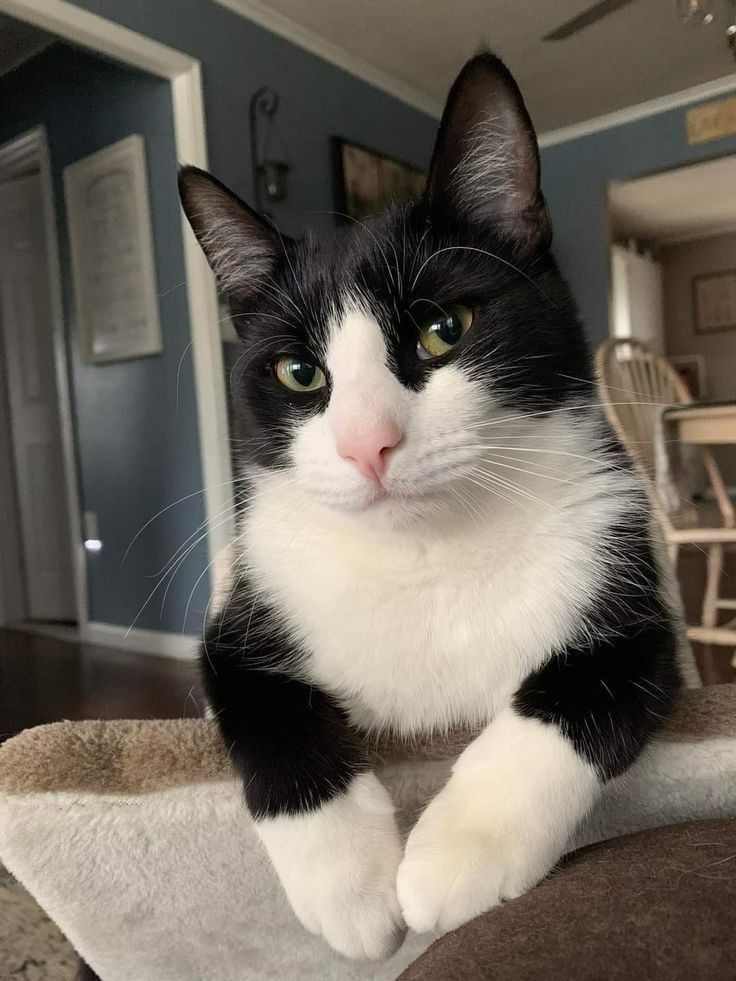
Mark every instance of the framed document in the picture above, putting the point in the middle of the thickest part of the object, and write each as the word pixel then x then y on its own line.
pixel 714 302
pixel 109 218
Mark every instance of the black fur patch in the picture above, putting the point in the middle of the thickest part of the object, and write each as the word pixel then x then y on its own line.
pixel 610 693
pixel 289 740
pixel 609 698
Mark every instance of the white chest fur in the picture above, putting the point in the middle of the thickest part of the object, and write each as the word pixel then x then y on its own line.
pixel 422 629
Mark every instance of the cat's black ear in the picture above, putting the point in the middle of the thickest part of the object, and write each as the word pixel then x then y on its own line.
pixel 241 247
pixel 485 166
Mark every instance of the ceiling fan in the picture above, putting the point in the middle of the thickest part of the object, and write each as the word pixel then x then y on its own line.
pixel 690 11
pixel 594 13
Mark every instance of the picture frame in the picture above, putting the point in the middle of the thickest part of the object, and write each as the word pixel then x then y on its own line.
pixel 714 302
pixel 691 369
pixel 366 181
pixel 112 255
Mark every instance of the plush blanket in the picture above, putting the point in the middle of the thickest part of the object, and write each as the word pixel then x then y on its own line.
pixel 134 838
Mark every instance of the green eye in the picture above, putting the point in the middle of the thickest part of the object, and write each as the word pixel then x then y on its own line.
pixel 440 334
pixel 299 375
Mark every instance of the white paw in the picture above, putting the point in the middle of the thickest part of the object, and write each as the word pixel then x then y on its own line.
pixel 503 820
pixel 338 866
pixel 456 868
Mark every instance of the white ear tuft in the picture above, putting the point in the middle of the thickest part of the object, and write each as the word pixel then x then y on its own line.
pixel 241 247
pixel 485 167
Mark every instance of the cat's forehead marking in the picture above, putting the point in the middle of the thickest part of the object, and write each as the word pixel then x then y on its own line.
pixel 365 392
pixel 356 345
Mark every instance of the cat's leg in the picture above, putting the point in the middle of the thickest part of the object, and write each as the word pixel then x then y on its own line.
pixel 499 824
pixel 325 820
pixel 518 792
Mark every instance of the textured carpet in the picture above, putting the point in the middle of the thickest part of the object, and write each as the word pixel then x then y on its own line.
pixel 32 948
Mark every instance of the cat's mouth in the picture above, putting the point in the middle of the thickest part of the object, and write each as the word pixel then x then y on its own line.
pixel 395 501
pixel 401 499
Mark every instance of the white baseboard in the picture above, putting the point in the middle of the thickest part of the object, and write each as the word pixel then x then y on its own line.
pixel 180 646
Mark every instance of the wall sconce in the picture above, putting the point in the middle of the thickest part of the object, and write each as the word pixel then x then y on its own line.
pixel 269 158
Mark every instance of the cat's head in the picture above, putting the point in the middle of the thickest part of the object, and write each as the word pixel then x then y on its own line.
pixel 375 364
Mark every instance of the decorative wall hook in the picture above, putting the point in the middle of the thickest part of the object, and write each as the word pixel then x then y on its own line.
pixel 270 167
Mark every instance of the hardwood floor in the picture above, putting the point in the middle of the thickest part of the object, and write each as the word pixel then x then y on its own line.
pixel 43 679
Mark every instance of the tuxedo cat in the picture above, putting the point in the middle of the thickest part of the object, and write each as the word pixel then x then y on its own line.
pixel 440 531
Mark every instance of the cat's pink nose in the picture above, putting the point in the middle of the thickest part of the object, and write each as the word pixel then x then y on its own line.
pixel 369 450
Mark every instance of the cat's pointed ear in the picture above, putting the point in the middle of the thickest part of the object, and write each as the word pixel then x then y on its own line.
pixel 242 248
pixel 485 166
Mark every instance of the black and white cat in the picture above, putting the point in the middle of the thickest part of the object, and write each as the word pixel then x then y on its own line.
pixel 441 531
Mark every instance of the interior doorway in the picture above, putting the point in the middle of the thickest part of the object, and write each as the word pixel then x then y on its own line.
pixel 670 233
pixel 104 620
pixel 41 577
pixel 673 275
pixel 673 288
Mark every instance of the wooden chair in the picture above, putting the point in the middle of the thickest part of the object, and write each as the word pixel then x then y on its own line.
pixel 635 384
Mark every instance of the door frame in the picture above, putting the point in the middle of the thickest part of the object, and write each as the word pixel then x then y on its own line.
pixel 30 151
pixel 183 72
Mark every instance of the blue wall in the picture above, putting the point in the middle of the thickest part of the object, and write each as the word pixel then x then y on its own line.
pixel 575 176
pixel 318 100
pixel 138 447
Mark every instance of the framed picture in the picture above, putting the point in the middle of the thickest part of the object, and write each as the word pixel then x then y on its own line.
pixel 691 369
pixel 714 302
pixel 367 181
pixel 109 216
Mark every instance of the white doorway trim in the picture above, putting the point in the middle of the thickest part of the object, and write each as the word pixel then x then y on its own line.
pixel 28 151
pixel 183 72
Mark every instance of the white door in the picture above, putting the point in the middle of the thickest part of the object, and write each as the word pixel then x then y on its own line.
pixel 28 352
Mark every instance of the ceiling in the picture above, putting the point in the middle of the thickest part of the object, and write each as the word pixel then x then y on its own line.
pixel 415 47
pixel 19 42
pixel 678 204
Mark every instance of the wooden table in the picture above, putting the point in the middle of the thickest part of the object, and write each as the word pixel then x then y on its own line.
pixel 706 423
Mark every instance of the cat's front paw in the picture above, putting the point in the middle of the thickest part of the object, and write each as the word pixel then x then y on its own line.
pixel 458 864
pixel 338 865
pixel 356 910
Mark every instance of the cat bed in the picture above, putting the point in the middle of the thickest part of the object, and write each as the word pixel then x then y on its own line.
pixel 133 837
